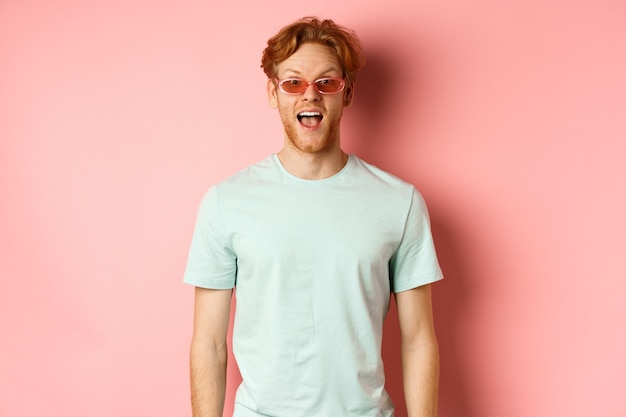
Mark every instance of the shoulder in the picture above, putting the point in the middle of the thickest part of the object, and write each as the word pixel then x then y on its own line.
pixel 383 184
pixel 246 178
pixel 256 172
pixel 242 187
pixel 379 178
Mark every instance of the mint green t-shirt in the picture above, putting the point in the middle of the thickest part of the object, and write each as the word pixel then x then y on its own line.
pixel 313 263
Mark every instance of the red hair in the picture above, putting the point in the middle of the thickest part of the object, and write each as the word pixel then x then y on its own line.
pixel 311 29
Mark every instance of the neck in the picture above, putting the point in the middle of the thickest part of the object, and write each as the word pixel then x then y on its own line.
pixel 312 166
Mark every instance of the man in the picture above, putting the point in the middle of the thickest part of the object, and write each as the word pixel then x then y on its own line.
pixel 314 241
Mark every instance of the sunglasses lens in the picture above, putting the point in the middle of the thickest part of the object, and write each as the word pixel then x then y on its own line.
pixel 293 86
pixel 329 85
pixel 323 85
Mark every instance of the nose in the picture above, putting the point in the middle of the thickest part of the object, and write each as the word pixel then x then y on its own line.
pixel 311 93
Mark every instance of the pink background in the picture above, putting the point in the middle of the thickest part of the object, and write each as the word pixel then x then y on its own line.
pixel 116 116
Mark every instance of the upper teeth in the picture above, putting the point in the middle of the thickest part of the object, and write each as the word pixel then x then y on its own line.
pixel 309 114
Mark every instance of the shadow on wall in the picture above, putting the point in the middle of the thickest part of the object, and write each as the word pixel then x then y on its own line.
pixel 376 91
pixel 372 117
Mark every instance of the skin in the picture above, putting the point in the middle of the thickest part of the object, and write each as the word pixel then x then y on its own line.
pixel 312 153
pixel 419 351
pixel 209 352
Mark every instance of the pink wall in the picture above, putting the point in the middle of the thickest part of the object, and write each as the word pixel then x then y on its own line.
pixel 116 116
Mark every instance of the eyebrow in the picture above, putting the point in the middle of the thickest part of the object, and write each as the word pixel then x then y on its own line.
pixel 321 74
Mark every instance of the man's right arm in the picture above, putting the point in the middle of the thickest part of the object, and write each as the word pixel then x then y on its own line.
pixel 209 351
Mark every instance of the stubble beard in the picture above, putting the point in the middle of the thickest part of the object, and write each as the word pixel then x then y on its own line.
pixel 326 143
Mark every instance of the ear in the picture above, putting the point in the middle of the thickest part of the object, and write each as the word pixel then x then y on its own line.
pixel 272 94
pixel 348 95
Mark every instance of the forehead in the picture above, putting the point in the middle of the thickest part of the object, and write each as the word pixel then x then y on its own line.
pixel 311 59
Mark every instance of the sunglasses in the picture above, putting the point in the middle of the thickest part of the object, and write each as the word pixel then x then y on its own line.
pixel 321 85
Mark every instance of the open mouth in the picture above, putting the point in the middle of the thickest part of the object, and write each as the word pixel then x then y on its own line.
pixel 310 118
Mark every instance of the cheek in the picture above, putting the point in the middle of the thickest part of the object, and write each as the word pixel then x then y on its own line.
pixel 336 108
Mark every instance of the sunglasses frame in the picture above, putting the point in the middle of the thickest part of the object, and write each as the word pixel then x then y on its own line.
pixel 306 85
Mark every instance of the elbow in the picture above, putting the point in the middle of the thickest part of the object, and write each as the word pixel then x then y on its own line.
pixel 203 348
pixel 421 343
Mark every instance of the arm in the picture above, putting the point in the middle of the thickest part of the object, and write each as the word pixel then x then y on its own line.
pixel 209 352
pixel 420 353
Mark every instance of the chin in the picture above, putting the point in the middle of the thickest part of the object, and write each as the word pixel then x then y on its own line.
pixel 305 142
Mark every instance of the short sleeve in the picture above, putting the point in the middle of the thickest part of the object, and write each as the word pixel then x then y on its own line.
pixel 414 262
pixel 211 262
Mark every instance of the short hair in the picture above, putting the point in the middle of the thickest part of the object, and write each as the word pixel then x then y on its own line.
pixel 311 29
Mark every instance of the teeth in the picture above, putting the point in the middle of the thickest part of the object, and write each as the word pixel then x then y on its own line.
pixel 309 114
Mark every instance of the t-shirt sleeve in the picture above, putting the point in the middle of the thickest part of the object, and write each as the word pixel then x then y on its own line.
pixel 211 262
pixel 415 263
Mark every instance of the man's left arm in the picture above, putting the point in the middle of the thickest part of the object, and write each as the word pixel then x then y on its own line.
pixel 420 352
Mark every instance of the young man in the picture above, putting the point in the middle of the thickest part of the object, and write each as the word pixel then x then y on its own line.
pixel 314 241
